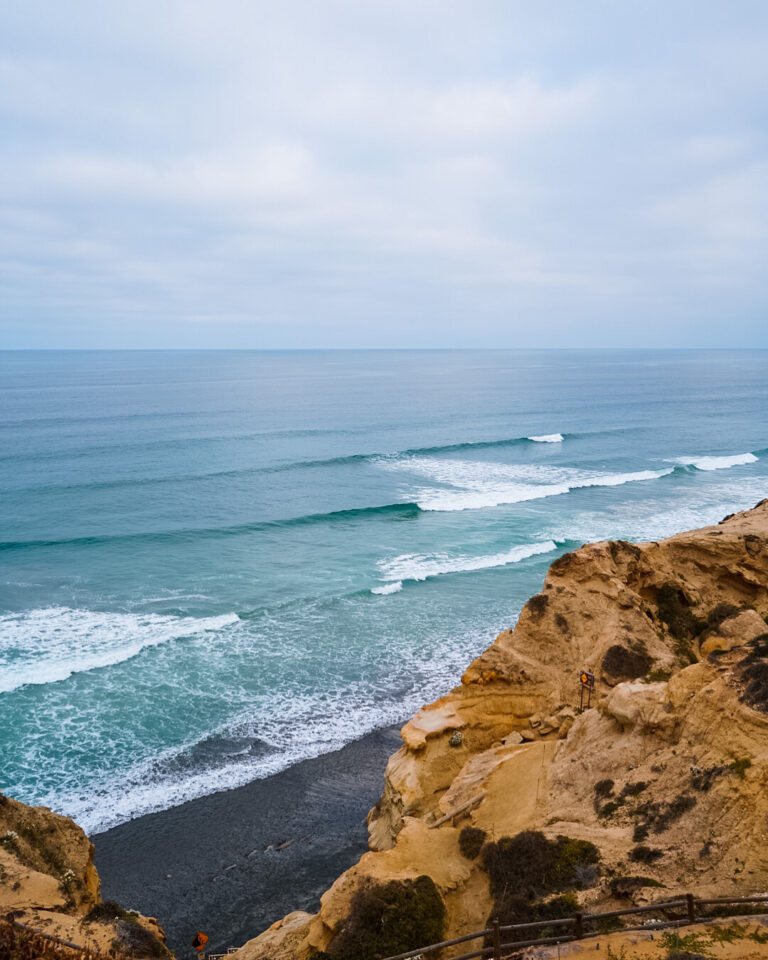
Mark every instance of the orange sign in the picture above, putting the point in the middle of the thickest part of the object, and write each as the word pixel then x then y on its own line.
pixel 587 679
pixel 200 940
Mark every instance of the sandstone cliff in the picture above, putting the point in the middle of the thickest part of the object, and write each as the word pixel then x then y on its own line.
pixel 660 783
pixel 48 882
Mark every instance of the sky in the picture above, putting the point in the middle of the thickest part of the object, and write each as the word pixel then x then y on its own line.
pixel 403 173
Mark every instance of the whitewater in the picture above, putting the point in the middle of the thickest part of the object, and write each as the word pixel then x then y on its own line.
pixel 214 565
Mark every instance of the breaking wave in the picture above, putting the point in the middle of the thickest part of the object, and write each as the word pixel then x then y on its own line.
pixel 50 644
pixel 420 567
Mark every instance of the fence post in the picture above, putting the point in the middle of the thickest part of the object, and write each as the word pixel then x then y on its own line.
pixel 496 940
pixel 691 908
pixel 578 925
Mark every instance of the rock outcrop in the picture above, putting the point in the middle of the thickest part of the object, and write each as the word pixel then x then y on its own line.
pixel 48 882
pixel 665 774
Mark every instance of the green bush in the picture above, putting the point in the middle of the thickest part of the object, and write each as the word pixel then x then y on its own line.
pixel 136 939
pixel 471 840
pixel 740 766
pixel 390 918
pixel 531 866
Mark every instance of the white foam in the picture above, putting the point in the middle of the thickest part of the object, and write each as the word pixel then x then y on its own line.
pixel 50 644
pixel 644 520
pixel 418 567
pixel 471 485
pixel 548 438
pixel 388 588
pixel 297 725
pixel 717 463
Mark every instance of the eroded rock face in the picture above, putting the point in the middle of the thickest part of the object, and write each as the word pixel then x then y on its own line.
pixel 670 756
pixel 49 882
pixel 53 846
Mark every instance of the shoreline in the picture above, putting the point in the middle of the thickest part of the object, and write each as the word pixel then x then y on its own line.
pixel 232 863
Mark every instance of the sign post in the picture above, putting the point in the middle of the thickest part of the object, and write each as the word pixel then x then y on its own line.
pixel 586 681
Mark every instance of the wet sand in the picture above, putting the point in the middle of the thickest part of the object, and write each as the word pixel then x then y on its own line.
pixel 232 863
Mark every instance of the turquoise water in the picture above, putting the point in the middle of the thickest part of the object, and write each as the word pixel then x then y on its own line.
pixel 215 564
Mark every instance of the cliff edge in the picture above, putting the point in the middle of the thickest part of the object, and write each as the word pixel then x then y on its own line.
pixel 48 883
pixel 507 799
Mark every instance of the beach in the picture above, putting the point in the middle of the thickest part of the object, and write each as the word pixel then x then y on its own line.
pixel 232 863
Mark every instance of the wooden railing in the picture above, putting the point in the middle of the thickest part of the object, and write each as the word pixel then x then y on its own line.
pixel 578 924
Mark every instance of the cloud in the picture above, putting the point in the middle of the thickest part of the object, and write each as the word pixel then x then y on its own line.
pixel 438 174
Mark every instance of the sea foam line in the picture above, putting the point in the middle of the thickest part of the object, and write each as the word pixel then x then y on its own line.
pixel 420 567
pixel 548 438
pixel 50 644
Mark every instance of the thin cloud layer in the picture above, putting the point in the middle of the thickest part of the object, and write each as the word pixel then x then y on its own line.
pixel 337 174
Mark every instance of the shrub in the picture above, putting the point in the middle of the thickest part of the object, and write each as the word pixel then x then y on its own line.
pixel 658 675
pixel 561 623
pixel 109 910
pixel 633 789
pixel 604 788
pixel 723 611
pixel 754 675
pixel 471 840
pixel 702 778
pixel 390 918
pixel 643 854
pixel 608 809
pixel 623 887
pixel 675 612
pixel 136 939
pixel 512 908
pixel 538 604
pixel 740 766
pixel 532 866
pixel 657 817
pixel 624 663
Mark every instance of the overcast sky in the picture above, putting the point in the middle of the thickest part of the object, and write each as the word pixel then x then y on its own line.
pixel 243 173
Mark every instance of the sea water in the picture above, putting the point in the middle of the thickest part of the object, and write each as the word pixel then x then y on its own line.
pixel 215 564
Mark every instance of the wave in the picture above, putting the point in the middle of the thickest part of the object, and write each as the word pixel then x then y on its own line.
pixel 717 463
pixel 388 588
pixel 418 567
pixel 277 729
pixel 399 511
pixel 472 486
pixel 548 438
pixel 50 644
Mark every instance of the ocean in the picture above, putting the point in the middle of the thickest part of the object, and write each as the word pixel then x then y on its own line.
pixel 215 564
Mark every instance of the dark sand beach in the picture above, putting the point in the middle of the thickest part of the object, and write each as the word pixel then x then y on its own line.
pixel 232 863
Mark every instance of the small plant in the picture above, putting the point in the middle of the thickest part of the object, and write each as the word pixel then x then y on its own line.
pixel 691 943
pixel 608 809
pixel 633 789
pixel 538 604
pixel 658 817
pixel 471 840
pixel 740 766
pixel 643 854
pixel 658 675
pixel 603 788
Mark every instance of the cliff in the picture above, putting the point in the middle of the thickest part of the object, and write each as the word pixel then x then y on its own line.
pixel 48 882
pixel 659 783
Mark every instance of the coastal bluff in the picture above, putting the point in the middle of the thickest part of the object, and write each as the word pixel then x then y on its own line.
pixel 509 799
pixel 48 883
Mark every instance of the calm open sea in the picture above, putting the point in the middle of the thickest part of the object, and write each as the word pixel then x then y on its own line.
pixel 215 564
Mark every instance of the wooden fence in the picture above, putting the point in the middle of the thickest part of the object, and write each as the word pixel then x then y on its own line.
pixel 578 927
